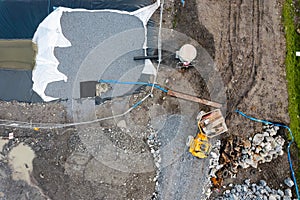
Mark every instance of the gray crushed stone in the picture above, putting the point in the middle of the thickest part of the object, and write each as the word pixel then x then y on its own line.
pixel 95 37
pixel 177 164
pixel 258 190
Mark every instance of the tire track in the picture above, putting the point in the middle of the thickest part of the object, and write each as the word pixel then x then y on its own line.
pixel 240 93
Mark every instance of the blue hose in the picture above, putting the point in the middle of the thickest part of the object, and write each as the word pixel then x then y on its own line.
pixel 134 83
pixel 182 2
pixel 288 147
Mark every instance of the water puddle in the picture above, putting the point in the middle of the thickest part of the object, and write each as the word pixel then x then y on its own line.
pixel 20 159
pixel 17 54
pixel 17 59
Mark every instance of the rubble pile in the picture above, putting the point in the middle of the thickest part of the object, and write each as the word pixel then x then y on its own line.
pixel 262 147
pixel 255 191
pixel 214 165
pixel 154 145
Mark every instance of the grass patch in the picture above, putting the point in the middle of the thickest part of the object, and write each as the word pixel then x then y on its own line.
pixel 292 68
pixel 292 63
pixel 175 21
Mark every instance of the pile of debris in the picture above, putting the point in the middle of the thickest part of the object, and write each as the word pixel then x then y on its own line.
pixel 255 191
pixel 154 145
pixel 214 167
pixel 262 147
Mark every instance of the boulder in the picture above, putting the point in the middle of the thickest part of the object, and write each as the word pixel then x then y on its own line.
pixel 263 154
pixel 280 192
pixel 269 139
pixel 281 153
pixel 274 197
pixel 257 157
pixel 289 182
pixel 257 139
pixel 288 192
pixel 272 152
pixel 251 162
pixel 267 147
pixel 266 134
pixel 214 155
pixel 278 148
pixel 247 182
pixel 258 149
pixel 268 158
pixel 286 198
pixel 279 140
pixel 263 183
pixel 243 165
pixel 272 132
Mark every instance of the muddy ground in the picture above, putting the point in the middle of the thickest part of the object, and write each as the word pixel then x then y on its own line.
pixel 245 39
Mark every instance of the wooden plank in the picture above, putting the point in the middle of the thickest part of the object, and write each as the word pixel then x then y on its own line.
pixel 194 99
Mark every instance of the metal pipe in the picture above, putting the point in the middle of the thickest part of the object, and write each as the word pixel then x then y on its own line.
pixel 145 57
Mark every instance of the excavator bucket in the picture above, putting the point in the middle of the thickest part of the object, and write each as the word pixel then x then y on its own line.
pixel 212 123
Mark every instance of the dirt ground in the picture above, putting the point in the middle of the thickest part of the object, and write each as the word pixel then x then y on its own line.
pixel 246 42
pixel 249 52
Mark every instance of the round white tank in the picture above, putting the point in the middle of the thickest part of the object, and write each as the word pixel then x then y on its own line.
pixel 187 53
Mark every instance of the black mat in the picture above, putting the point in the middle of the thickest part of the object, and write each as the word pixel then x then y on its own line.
pixel 17 85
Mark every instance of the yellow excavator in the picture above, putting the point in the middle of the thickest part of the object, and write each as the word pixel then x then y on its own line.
pixel 210 125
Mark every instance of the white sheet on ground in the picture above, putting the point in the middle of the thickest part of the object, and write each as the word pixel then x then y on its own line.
pixel 49 35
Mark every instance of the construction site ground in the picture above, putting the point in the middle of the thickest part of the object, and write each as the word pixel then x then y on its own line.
pixel 246 41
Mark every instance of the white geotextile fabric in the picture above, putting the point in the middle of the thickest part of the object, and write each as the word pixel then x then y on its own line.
pixel 49 35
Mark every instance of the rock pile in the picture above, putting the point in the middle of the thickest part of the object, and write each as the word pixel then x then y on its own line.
pixel 262 147
pixel 267 145
pixel 214 165
pixel 154 145
pixel 255 191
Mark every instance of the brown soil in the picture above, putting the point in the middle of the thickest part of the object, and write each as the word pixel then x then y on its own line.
pixel 249 44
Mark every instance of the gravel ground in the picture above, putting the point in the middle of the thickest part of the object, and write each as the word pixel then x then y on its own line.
pixel 91 57
pixel 178 165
